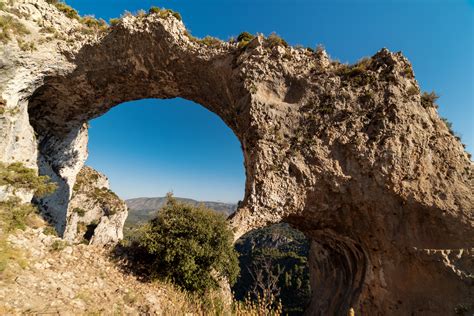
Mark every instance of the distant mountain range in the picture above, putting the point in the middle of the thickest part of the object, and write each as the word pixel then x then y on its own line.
pixel 141 210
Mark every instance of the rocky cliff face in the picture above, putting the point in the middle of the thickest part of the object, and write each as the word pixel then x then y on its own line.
pixel 95 213
pixel 350 155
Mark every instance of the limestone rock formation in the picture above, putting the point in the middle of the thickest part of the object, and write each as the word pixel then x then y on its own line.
pixel 350 155
pixel 95 213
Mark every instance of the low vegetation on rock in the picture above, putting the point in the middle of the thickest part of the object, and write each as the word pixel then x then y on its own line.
pixel 66 9
pixel 16 176
pixel 190 246
pixel 16 215
pixel 274 265
pixel 164 13
pixel 10 26
pixel 244 38
pixel 274 40
pixel 429 99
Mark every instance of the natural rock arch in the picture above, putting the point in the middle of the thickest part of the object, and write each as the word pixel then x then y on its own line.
pixel 347 155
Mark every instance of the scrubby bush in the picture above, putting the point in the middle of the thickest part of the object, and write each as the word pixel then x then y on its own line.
pixel 189 246
pixel 15 215
pixel 17 176
pixel 429 99
pixel 164 13
pixel 26 46
pixel 177 15
pixel 191 37
pixel 274 40
pixel 91 22
pixel 449 125
pixel 58 245
pixel 357 74
pixel 244 38
pixel 49 230
pixel 11 26
pixel 114 21
pixel 154 9
pixel 66 9
pixel 210 41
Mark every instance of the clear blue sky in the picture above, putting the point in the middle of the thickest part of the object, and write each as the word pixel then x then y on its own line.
pixel 150 147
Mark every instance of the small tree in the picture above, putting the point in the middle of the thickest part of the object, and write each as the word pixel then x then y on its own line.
pixel 265 287
pixel 190 245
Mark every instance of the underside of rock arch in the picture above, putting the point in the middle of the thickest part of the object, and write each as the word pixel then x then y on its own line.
pixel 348 155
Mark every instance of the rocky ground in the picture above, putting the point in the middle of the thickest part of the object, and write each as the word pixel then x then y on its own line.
pixel 53 277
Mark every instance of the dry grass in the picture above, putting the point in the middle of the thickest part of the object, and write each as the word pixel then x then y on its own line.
pixel 12 260
pixel 178 302
pixel 10 26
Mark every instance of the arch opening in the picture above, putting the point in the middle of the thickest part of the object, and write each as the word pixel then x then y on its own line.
pixel 311 141
pixel 206 142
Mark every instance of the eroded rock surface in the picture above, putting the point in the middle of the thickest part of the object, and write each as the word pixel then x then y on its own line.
pixel 351 156
pixel 95 213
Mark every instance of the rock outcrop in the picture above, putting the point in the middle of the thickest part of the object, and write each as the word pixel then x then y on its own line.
pixel 350 155
pixel 95 213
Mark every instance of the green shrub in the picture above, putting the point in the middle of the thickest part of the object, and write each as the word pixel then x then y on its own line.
pixel 429 99
pixel 188 244
pixel 244 38
pixel 17 176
